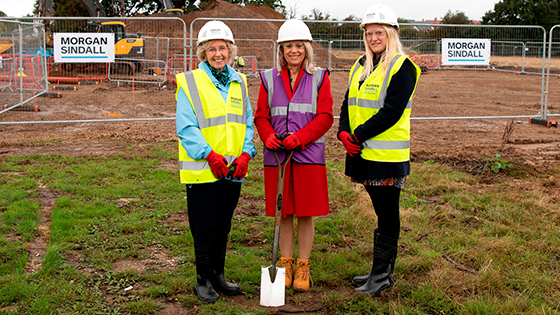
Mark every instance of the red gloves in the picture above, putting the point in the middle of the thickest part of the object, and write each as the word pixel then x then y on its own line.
pixel 241 165
pixel 277 142
pixel 291 142
pixel 218 164
pixel 272 142
pixel 350 143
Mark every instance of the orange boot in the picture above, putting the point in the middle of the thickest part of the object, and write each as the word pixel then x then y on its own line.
pixel 288 264
pixel 302 276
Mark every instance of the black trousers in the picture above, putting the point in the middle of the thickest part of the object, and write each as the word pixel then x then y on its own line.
pixel 210 210
pixel 385 200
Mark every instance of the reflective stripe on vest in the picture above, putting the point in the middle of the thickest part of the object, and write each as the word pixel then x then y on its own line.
pixel 366 100
pixel 226 136
pixel 201 165
pixel 294 107
pixel 197 105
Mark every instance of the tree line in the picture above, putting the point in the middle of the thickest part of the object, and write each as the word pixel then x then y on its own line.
pixel 545 13
pixel 115 8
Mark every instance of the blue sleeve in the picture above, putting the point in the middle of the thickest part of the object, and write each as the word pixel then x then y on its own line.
pixel 248 145
pixel 188 131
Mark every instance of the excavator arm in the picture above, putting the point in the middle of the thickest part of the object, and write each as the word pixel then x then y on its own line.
pixel 170 9
pixel 94 8
pixel 167 4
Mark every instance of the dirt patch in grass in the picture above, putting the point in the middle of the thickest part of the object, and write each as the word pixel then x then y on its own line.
pixel 38 246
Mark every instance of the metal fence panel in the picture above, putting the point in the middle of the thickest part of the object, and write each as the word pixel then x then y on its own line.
pixel 337 45
pixel 99 92
pixel 22 64
pixel 145 90
pixel 552 102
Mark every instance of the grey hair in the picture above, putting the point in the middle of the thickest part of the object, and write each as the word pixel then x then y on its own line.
pixel 201 50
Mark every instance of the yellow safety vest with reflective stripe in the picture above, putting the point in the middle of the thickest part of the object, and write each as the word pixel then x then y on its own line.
pixel 392 145
pixel 223 124
pixel 240 62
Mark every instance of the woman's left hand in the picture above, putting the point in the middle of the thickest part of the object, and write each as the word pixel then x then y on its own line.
pixel 291 142
pixel 241 166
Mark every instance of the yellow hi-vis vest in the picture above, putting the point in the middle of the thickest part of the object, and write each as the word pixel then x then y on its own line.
pixel 223 124
pixel 392 145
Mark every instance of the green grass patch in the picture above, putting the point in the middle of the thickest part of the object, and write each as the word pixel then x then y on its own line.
pixel 119 241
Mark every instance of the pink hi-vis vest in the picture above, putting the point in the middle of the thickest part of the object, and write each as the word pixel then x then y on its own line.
pixel 289 116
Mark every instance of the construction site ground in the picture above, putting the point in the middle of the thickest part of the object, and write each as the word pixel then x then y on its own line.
pixel 462 141
pixel 465 144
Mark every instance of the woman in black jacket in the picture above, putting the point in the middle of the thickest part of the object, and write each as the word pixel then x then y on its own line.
pixel 375 130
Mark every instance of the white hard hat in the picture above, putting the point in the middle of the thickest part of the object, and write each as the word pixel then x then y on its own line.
pixel 214 30
pixel 379 14
pixel 294 30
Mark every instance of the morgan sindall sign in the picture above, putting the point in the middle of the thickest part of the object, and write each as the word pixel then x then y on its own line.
pixel 84 47
pixel 465 52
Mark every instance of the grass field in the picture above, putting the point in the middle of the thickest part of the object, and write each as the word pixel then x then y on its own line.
pixel 117 240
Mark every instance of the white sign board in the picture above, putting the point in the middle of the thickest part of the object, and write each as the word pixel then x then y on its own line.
pixel 84 47
pixel 465 52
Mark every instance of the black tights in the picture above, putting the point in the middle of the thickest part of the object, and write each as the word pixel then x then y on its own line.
pixel 210 210
pixel 385 200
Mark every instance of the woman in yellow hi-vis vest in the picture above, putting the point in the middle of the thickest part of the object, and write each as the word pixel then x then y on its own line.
pixel 375 131
pixel 214 125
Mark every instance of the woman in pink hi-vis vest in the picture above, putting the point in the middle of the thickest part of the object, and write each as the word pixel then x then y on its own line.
pixel 294 111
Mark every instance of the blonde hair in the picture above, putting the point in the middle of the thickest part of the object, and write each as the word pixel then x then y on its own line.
pixel 307 61
pixel 201 50
pixel 394 46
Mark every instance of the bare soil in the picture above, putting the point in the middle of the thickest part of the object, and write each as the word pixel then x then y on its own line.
pixel 443 140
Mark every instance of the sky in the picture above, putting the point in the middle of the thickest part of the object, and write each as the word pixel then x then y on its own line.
pixel 407 9
pixel 340 9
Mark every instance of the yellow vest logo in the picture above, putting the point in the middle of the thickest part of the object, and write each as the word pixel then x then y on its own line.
pixel 236 101
pixel 371 88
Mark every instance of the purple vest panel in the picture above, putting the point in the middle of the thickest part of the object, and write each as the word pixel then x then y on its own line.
pixel 291 116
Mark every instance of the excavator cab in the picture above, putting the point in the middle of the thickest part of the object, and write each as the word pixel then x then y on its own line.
pixel 126 45
pixel 117 28
pixel 174 11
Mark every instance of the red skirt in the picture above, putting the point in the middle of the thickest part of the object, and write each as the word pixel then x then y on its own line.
pixel 305 194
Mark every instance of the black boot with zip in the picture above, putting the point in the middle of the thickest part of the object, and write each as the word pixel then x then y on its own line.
pixel 384 257
pixel 218 279
pixel 203 286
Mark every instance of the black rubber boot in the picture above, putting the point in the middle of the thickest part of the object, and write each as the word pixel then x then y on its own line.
pixel 203 286
pixel 359 281
pixel 381 276
pixel 218 279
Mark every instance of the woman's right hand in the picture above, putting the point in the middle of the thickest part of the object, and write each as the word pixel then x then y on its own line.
pixel 273 142
pixel 350 143
pixel 218 164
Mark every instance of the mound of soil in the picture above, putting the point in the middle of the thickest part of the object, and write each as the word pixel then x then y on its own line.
pixel 242 30
pixel 267 12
